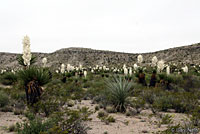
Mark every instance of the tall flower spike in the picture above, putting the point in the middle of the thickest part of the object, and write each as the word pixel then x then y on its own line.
pixel 160 66
pixel 26 51
pixel 85 74
pixel 135 66
pixel 168 70
pixel 140 59
pixel 44 61
pixel 130 71
pixel 185 69
pixel 125 71
pixel 62 70
pixel 154 61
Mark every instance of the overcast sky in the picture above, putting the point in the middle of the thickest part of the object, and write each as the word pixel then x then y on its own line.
pixel 118 25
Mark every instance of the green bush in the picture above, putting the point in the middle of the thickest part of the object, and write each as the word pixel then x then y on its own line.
pixel 8 78
pixel 4 99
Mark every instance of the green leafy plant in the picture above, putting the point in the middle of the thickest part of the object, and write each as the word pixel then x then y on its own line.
pixel 4 99
pixel 8 78
pixel 118 92
pixel 40 74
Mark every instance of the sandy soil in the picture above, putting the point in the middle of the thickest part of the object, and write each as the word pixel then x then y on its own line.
pixel 7 119
pixel 142 123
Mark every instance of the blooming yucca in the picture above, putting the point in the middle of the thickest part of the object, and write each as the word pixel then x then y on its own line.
pixel 57 71
pixel 160 66
pixel 80 67
pixel 104 67
pixel 130 71
pixel 62 69
pixel 168 70
pixel 85 74
pixel 44 61
pixel 140 59
pixel 135 66
pixel 92 71
pixel 124 66
pixel 26 51
pixel 125 71
pixel 154 61
pixel 185 69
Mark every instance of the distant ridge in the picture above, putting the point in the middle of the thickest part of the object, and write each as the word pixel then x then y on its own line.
pixel 89 57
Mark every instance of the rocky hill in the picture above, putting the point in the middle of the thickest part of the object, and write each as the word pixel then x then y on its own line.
pixel 90 57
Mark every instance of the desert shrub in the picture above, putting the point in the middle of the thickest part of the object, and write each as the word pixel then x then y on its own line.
pixel 97 108
pixel 7 109
pixel 18 95
pixel 11 128
pixel 110 119
pixel 102 114
pixel 35 126
pixel 18 112
pixel 118 92
pixel 184 102
pixel 41 75
pixel 163 103
pixel 138 104
pixel 29 115
pixel 4 99
pixel 66 122
pixel 195 117
pixel 110 109
pixel 166 119
pixel 190 82
pixel 8 78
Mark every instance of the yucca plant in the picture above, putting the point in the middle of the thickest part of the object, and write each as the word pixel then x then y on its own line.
pixel 21 60
pixel 33 78
pixel 40 74
pixel 119 90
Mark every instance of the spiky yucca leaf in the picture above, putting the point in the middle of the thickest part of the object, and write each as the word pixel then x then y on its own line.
pixel 119 90
pixel 21 60
pixel 39 74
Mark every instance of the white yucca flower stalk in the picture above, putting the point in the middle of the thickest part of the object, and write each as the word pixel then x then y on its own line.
pixel 185 69
pixel 124 66
pixel 85 74
pixel 125 71
pixel 154 61
pixel 160 66
pixel 26 51
pixel 92 71
pixel 62 69
pixel 44 61
pixel 130 71
pixel 135 66
pixel 68 67
pixel 140 59
pixel 168 70
pixel 80 67
pixel 104 67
